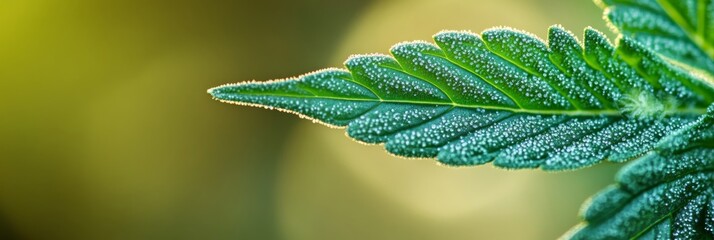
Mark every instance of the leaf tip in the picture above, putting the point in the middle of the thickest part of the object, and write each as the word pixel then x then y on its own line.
pixel 219 92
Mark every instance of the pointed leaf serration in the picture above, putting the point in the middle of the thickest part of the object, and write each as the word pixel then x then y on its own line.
pixel 667 194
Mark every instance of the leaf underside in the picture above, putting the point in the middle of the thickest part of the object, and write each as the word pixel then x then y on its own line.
pixel 667 194
pixel 504 97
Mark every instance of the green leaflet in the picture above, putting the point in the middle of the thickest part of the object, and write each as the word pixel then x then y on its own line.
pixel 503 97
pixel 682 30
pixel 667 194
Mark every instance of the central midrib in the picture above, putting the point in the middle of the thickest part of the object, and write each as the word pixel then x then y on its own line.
pixel 594 112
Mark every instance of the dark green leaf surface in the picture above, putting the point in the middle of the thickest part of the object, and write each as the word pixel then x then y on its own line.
pixel 682 30
pixel 502 96
pixel 667 194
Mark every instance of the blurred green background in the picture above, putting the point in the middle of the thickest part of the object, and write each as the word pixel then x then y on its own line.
pixel 107 132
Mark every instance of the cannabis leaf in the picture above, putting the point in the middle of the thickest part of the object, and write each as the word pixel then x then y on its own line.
pixel 508 98
pixel 682 30
pixel 504 96
pixel 667 194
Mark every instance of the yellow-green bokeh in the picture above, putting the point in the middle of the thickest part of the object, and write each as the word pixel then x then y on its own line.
pixel 107 132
